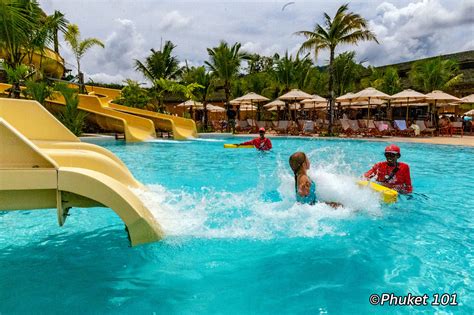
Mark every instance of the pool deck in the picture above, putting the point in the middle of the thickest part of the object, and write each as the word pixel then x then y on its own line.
pixel 455 140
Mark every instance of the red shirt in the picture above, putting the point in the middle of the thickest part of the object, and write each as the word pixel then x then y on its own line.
pixel 260 144
pixel 401 181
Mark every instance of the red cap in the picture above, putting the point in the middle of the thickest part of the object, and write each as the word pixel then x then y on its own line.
pixel 261 129
pixel 392 149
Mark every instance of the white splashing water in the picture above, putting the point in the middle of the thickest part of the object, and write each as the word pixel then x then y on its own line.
pixel 220 214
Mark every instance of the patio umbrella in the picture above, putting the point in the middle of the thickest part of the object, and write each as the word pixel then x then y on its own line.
pixel 407 95
pixel 369 94
pixel 440 98
pixel 250 98
pixel 345 99
pixel 314 102
pixel 294 95
pixel 274 103
pixel 190 104
pixel 467 99
pixel 469 113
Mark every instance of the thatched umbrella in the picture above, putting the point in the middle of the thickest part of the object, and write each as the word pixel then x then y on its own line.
pixel 369 94
pixel 294 95
pixel 250 98
pixel 314 102
pixel 440 98
pixel 191 104
pixel 408 95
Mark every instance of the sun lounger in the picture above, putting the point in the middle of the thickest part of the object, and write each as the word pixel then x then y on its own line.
pixel 308 127
pixel 282 126
pixel 457 128
pixel 403 130
pixel 355 127
pixel 242 126
pixel 383 128
pixel 424 129
pixel 348 128
pixel 217 125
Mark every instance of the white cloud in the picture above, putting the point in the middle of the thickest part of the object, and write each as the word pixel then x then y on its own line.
pixel 174 21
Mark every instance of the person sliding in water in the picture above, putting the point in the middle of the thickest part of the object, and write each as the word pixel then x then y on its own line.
pixel 261 143
pixel 305 188
pixel 392 174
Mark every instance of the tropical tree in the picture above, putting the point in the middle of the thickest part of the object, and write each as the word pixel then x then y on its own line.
pixel 434 74
pixel 38 90
pixel 79 48
pixel 386 80
pixel 257 63
pixel 133 95
pixel 16 76
pixel 224 63
pixel 344 28
pixel 71 117
pixel 160 64
pixel 18 20
pixel 163 86
pixel 291 73
pixel 204 78
pixel 346 73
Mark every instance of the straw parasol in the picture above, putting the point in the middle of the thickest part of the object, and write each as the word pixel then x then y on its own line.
pixel 314 102
pixel 469 113
pixel 190 103
pixel 440 98
pixel 247 107
pixel 295 95
pixel 369 94
pixel 214 108
pixel 276 102
pixel 346 98
pixel 467 99
pixel 407 95
pixel 249 98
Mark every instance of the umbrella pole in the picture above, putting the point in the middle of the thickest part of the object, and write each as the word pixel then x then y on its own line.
pixel 408 104
pixel 368 112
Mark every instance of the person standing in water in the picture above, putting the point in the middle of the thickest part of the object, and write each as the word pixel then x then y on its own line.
pixel 392 174
pixel 305 188
pixel 261 143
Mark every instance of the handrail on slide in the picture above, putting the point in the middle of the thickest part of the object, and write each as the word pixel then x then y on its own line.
pixel 42 165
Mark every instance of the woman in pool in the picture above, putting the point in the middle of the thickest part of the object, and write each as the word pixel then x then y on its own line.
pixel 304 186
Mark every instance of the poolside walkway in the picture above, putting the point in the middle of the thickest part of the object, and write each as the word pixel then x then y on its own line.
pixel 455 140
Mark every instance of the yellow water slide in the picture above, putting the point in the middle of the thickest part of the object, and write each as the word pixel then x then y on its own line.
pixel 181 128
pixel 48 60
pixel 134 128
pixel 43 165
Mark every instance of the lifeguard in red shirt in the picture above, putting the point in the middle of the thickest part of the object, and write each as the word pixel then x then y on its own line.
pixel 261 143
pixel 392 174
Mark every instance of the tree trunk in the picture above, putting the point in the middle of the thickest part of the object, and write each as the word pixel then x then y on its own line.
pixel 204 103
pixel 331 91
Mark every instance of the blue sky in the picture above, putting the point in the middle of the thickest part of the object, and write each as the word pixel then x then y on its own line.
pixel 130 28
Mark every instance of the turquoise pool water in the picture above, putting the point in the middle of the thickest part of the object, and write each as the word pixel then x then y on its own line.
pixel 237 242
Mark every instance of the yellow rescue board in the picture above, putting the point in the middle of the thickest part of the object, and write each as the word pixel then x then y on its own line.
pixel 236 146
pixel 386 194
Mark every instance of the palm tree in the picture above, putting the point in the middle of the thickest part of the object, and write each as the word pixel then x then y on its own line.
pixel 160 64
pixel 224 62
pixel 434 74
pixel 344 28
pixel 79 48
pixel 200 76
pixel 386 80
pixel 18 20
pixel 346 73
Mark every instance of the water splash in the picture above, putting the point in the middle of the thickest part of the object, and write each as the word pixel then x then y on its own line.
pixel 250 214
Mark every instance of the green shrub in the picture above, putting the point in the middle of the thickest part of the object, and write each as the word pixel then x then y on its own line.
pixel 133 95
pixel 39 91
pixel 71 117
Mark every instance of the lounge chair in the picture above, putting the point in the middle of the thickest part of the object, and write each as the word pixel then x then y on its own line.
pixel 373 130
pixel 457 128
pixel 253 125
pixel 281 126
pixel 308 127
pixel 383 128
pixel 346 127
pixel 403 130
pixel 356 128
pixel 424 129
pixel 242 126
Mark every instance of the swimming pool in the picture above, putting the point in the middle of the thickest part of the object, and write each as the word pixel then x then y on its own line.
pixel 237 242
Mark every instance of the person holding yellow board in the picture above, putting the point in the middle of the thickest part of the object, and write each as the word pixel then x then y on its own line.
pixel 261 143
